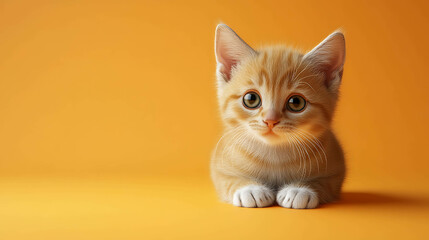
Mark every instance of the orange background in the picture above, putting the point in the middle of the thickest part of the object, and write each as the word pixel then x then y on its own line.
pixel 108 116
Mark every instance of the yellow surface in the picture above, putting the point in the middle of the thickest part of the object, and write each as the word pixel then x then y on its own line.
pixel 108 115
pixel 187 208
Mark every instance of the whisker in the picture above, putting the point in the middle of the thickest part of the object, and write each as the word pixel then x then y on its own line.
pixel 311 142
pixel 299 146
pixel 307 85
pixel 308 64
pixel 318 143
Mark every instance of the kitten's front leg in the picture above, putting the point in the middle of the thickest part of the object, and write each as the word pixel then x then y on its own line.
pixel 297 196
pixel 253 196
pixel 310 194
pixel 242 192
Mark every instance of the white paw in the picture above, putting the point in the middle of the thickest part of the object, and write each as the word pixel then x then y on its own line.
pixel 253 196
pixel 297 197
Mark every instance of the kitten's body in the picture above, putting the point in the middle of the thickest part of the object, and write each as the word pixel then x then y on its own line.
pixel 297 160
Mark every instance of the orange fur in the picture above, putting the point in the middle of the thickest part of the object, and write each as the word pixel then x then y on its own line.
pixel 299 161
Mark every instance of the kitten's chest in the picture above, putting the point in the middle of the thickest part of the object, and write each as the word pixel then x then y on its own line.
pixel 276 175
pixel 276 167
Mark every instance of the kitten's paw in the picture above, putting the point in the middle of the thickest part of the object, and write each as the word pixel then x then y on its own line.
pixel 253 196
pixel 297 197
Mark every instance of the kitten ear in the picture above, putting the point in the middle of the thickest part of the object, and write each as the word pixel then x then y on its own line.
pixel 230 49
pixel 329 57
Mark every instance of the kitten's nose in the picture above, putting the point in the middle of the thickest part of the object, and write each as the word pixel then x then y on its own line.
pixel 272 118
pixel 270 123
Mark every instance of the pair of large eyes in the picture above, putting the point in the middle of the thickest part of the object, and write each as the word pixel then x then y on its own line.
pixel 295 103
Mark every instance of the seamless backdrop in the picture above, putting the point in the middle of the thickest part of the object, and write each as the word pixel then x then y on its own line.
pixel 108 115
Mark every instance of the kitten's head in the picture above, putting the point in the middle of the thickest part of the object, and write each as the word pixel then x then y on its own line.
pixel 276 94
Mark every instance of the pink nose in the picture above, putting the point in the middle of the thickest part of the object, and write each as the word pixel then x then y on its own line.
pixel 271 123
pixel 272 118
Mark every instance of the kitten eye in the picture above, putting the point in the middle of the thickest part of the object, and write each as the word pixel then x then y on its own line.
pixel 251 100
pixel 296 103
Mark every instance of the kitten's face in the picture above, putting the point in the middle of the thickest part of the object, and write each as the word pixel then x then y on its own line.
pixel 275 95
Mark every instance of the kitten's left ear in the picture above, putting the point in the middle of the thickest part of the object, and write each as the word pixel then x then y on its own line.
pixel 329 57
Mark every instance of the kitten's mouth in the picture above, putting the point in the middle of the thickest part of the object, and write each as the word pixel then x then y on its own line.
pixel 269 133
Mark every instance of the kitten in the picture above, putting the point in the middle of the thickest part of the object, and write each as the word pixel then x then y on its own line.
pixel 277 106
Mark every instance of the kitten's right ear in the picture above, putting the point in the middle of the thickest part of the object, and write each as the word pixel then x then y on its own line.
pixel 230 50
pixel 328 57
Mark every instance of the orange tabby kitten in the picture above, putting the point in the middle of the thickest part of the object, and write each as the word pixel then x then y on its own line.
pixel 277 106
